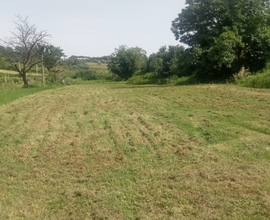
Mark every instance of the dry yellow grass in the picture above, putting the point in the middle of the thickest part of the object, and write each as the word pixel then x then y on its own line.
pixel 143 152
pixel 11 72
pixel 8 71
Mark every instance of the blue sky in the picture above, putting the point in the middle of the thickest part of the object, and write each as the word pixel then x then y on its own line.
pixel 97 27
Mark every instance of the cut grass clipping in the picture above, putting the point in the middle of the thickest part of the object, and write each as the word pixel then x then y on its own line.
pixel 136 152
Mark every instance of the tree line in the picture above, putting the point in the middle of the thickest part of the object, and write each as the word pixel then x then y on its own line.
pixel 220 37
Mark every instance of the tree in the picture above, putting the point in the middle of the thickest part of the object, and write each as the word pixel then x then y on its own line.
pixel 125 61
pixel 224 35
pixel 163 63
pixel 72 61
pixel 21 49
pixel 51 57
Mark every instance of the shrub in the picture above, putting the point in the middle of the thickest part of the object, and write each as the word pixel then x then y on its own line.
pixel 72 81
pixel 241 74
pixel 259 80
pixel 148 78
pixel 86 75
pixel 93 75
pixel 190 80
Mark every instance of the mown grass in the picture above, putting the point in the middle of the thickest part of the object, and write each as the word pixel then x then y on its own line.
pixel 108 151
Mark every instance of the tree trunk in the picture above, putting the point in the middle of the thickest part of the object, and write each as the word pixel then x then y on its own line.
pixel 25 82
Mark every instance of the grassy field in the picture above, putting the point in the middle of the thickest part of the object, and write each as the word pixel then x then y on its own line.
pixel 99 67
pixel 136 152
pixel 8 94
pixel 11 72
pixel 8 72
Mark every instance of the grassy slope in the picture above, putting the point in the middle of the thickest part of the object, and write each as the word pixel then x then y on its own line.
pixel 146 152
pixel 8 95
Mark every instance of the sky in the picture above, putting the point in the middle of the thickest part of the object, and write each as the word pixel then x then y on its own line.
pixel 97 27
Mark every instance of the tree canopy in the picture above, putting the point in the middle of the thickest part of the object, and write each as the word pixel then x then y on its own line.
pixel 163 63
pixel 125 61
pixel 224 35
pixel 51 57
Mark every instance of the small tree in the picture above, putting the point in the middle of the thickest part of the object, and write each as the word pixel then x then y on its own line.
pixel 51 57
pixel 125 61
pixel 21 48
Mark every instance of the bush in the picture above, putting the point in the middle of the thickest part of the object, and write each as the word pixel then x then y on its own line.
pixel 259 80
pixel 71 81
pixel 93 75
pixel 190 80
pixel 148 78
pixel 243 73
pixel 86 75
pixel 10 79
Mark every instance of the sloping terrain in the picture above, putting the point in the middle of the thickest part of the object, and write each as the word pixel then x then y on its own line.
pixel 145 152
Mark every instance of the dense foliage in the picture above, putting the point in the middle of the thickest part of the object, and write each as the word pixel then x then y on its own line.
pixel 125 61
pixel 166 61
pixel 224 35
pixel 51 57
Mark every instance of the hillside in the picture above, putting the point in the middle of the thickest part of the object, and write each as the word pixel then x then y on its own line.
pixel 136 152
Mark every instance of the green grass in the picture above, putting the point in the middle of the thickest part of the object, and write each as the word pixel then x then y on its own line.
pixel 116 151
pixel 148 78
pixel 8 94
pixel 99 67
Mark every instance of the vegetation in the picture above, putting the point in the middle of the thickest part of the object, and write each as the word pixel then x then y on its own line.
pixel 259 80
pixel 51 58
pixel 115 151
pixel 125 61
pixel 224 35
pixel 3 64
pixel 222 38
pixel 99 60
pixel 21 49
pixel 93 75
pixel 165 63
pixel 121 151
pixel 9 94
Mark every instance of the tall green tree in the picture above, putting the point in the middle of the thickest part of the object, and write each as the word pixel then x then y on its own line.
pixel 224 35
pixel 125 61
